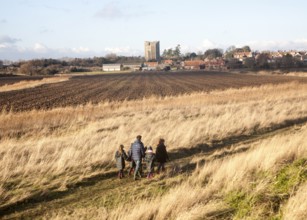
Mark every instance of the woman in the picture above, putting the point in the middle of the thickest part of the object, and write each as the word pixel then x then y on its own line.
pixel 120 157
pixel 161 155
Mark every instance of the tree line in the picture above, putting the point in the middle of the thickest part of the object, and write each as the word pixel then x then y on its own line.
pixel 54 66
pixel 259 60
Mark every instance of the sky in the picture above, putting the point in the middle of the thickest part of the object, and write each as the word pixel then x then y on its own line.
pixel 86 28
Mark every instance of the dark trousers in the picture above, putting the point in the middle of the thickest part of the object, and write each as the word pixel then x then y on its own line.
pixel 161 166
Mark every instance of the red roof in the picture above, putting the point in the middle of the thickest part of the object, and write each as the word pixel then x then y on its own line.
pixel 193 63
pixel 151 64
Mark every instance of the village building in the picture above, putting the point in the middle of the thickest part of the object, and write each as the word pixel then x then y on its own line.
pixel 112 67
pixel 149 66
pixel 242 55
pixel 168 62
pixel 132 66
pixel 215 64
pixel 193 64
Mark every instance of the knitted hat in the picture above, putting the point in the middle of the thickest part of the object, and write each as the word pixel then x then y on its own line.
pixel 149 150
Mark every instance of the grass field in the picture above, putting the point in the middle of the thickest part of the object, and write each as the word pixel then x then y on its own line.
pixel 235 153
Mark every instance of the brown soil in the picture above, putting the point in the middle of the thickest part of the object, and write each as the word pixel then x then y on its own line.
pixel 117 87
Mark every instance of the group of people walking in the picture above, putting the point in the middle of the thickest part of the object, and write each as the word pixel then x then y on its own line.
pixel 138 153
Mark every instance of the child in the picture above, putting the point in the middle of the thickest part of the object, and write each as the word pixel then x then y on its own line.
pixel 150 160
pixel 120 157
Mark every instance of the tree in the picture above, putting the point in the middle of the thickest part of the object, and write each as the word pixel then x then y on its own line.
pixel 193 55
pixel 287 61
pixel 231 49
pixel 164 54
pixel 249 62
pixel 27 68
pixel 262 60
pixel 177 51
pixel 213 53
pixel 229 52
pixel 246 49
pixel 112 57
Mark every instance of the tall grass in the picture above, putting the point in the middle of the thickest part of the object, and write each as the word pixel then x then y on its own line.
pixel 243 186
pixel 32 83
pixel 47 150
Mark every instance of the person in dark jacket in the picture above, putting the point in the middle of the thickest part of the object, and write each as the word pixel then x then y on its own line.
pixel 150 160
pixel 161 155
pixel 120 157
pixel 137 153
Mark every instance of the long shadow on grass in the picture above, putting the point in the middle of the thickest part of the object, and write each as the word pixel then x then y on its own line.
pixel 180 153
pixel 39 197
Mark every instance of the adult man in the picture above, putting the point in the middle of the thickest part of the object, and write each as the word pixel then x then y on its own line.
pixel 137 153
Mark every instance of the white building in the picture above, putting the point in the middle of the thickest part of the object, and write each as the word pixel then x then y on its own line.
pixel 112 67
pixel 132 66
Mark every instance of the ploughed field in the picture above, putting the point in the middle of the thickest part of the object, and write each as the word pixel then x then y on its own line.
pixel 117 87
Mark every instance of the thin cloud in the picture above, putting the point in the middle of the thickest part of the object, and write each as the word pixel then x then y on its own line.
pixel 81 50
pixel 3 21
pixel 44 30
pixel 298 44
pixel 47 6
pixel 110 11
pixel 274 45
pixel 126 51
pixel 115 11
pixel 208 44
pixel 39 50
pixel 5 39
pixel 56 8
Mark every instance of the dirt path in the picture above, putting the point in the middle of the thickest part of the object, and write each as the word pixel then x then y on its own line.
pixel 105 190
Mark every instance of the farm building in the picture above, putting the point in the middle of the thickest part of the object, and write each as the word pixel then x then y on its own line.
pixel 150 66
pixel 242 55
pixel 215 64
pixel 112 67
pixel 168 62
pixel 132 66
pixel 193 65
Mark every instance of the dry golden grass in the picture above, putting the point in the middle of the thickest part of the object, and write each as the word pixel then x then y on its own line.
pixel 48 150
pixel 207 192
pixel 203 195
pixel 297 205
pixel 32 83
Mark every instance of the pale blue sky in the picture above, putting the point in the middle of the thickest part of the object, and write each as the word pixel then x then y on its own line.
pixel 87 28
